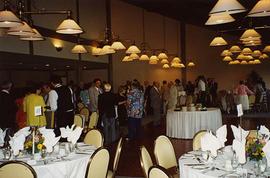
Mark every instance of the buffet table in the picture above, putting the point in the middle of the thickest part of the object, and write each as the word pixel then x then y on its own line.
pixel 186 124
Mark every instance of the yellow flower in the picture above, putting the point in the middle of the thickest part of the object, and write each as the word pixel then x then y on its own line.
pixel 39 146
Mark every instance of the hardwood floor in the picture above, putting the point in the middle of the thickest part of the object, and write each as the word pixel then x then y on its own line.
pixel 129 164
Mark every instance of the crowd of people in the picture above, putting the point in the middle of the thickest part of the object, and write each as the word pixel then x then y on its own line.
pixel 53 104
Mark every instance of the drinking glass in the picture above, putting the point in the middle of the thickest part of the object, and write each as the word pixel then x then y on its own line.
pixel 67 149
pixel 235 162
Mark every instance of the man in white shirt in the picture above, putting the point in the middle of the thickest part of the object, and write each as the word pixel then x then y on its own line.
pixel 51 104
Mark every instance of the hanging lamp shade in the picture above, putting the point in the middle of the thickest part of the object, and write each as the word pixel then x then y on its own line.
pixel 133 49
pixel 176 59
pixel 235 49
pixel 176 65
pixel 246 51
pixel 231 63
pixel 154 57
pixel 253 44
pixel 96 51
pixel 22 30
pixel 236 62
pixel 250 34
pixel 9 19
pixel 240 57
pixel 243 62
pixel 164 61
pixel 256 53
pixel 144 57
pixel 162 55
pixel 191 64
pixel 107 49
pixel 153 61
pixel 34 37
pixel 229 6
pixel 226 52
pixel 257 61
pixel 266 49
pixel 227 58
pixel 78 49
pixel 265 56
pixel 118 45
pixel 69 26
pixel 250 62
pixel 166 66
pixel 248 58
pixel 219 18
pixel 127 59
pixel 261 9
pixel 218 41
pixel 134 56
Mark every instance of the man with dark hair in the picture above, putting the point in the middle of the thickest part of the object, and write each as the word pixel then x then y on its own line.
pixel 8 107
pixel 65 108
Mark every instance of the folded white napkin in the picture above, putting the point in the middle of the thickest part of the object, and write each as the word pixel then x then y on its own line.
pixel 239 143
pixel 264 131
pixel 239 148
pixel 75 135
pixel 17 143
pixel 25 131
pixel 49 138
pixel 209 142
pixel 65 132
pixel 266 150
pixel 2 137
pixel 239 133
pixel 221 134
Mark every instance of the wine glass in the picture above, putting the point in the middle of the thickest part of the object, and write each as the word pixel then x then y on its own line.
pixel 235 162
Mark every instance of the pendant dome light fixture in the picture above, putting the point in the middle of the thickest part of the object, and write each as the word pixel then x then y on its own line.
pixel 218 41
pixel 229 6
pixel 220 18
pixel 261 9
pixel 69 26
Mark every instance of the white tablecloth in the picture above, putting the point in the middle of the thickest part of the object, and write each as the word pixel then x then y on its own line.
pixel 74 167
pixel 186 124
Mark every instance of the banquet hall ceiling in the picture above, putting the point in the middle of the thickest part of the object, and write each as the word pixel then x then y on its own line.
pixel 196 12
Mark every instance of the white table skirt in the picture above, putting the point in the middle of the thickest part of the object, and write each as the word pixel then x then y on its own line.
pixel 74 167
pixel 186 124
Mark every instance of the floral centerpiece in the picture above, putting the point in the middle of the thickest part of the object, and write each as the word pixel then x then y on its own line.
pixel 38 142
pixel 254 146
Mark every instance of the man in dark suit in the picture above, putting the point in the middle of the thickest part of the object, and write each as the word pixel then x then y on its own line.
pixel 64 114
pixel 156 102
pixel 8 107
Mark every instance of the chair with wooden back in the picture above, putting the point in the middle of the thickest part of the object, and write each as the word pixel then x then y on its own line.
pixel 158 172
pixel 146 161
pixel 98 164
pixel 111 174
pixel 94 137
pixel 196 142
pixel 80 105
pixel 17 169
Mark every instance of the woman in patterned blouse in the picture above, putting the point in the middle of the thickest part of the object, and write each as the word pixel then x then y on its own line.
pixel 135 108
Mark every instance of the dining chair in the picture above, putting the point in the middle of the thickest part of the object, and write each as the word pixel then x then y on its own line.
pixel 164 152
pixel 93 120
pixel 94 137
pixel 78 120
pixel 196 142
pixel 158 172
pixel 85 111
pixel 111 174
pixel 98 164
pixel 146 161
pixel 17 169
pixel 251 100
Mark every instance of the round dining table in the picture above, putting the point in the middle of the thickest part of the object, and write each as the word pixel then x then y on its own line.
pixel 73 165
pixel 180 124
pixel 192 165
